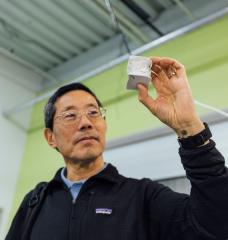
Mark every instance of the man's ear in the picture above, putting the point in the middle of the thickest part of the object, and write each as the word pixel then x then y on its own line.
pixel 50 137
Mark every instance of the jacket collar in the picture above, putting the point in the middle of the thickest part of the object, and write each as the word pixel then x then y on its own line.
pixel 110 173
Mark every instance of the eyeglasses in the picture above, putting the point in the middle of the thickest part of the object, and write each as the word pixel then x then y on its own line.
pixel 73 116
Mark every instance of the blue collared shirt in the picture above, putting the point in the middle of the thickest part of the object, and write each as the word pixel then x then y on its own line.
pixel 76 185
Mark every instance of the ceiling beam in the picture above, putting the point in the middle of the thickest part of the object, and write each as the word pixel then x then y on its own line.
pixel 142 14
pixel 185 9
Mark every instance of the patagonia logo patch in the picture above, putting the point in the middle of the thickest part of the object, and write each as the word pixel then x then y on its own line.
pixel 105 211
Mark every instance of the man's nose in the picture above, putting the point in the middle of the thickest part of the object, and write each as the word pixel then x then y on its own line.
pixel 84 122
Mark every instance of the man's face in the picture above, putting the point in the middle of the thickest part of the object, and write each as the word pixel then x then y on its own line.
pixel 84 141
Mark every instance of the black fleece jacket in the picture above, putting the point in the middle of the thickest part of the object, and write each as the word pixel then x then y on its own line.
pixel 113 207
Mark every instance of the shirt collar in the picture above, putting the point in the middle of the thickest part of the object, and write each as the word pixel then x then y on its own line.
pixel 69 183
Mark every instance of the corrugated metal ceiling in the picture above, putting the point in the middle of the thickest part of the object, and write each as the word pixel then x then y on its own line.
pixel 49 33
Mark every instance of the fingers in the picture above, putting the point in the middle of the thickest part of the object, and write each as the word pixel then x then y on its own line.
pixel 165 62
pixel 162 74
pixel 166 67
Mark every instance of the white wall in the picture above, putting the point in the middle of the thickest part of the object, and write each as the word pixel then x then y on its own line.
pixel 158 158
pixel 17 84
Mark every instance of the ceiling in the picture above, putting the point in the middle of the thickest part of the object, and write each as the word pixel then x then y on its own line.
pixel 58 37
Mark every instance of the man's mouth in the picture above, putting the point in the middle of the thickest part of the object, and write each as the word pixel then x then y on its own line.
pixel 86 138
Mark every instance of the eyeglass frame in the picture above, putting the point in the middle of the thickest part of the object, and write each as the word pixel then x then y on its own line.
pixel 102 113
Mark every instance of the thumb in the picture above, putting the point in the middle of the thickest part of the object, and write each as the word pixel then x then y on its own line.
pixel 145 98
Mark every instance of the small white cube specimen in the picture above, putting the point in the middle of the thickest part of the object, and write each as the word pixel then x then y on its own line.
pixel 139 71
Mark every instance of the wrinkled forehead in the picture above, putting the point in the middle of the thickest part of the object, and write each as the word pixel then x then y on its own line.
pixel 76 99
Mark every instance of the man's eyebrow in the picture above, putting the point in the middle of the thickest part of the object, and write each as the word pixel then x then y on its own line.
pixel 72 107
pixel 92 105
pixel 68 108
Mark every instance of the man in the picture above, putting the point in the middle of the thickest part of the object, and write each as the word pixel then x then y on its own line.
pixel 89 199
